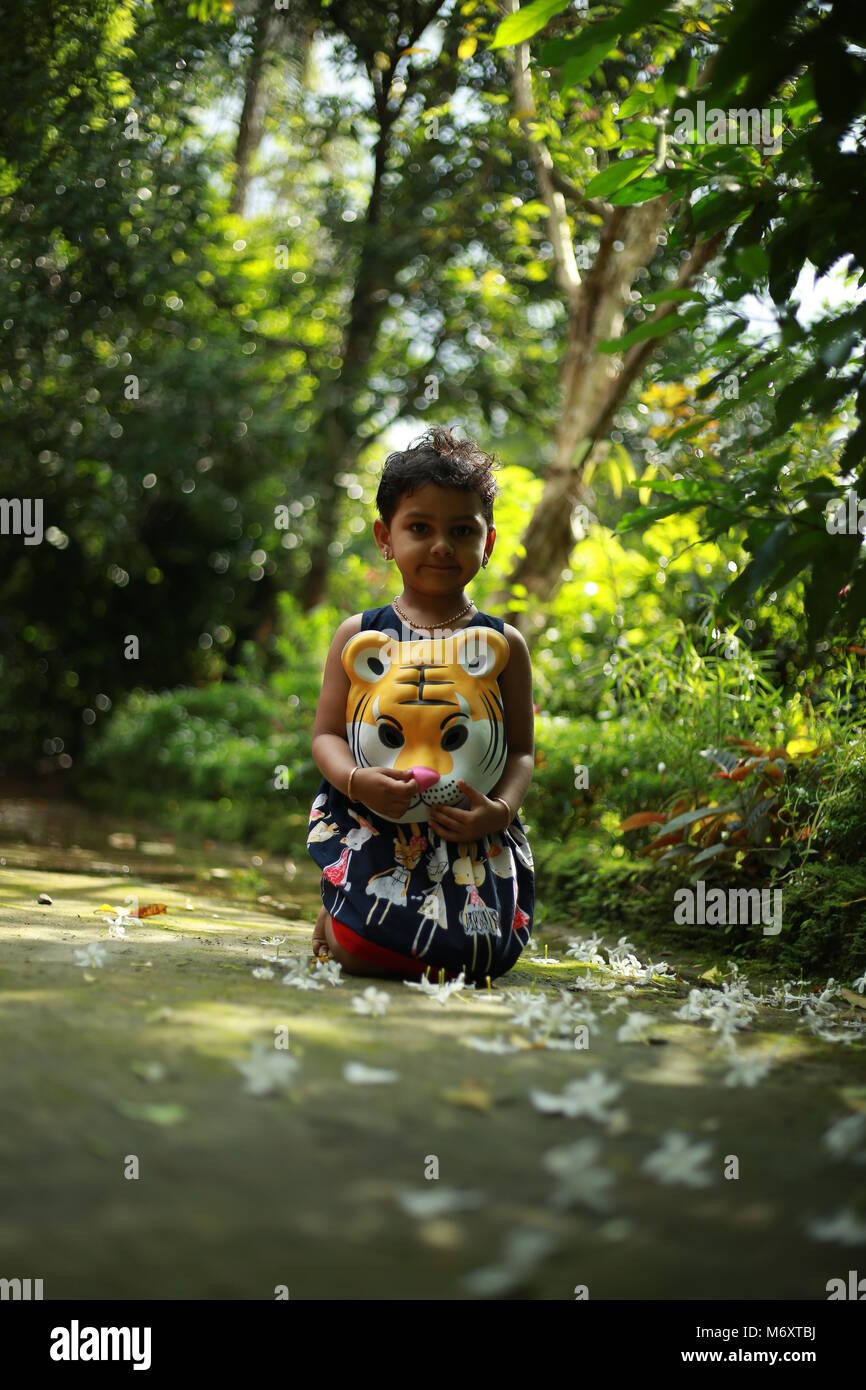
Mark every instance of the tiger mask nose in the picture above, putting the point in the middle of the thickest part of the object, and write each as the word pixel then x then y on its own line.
pixel 425 777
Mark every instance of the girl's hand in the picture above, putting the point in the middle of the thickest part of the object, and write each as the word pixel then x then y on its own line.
pixel 484 817
pixel 385 790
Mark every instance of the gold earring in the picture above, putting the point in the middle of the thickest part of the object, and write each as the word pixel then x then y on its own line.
pixel 484 561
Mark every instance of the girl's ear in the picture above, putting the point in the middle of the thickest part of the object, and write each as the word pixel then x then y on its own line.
pixel 380 531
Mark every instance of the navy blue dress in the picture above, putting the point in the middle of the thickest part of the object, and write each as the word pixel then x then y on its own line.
pixel 418 894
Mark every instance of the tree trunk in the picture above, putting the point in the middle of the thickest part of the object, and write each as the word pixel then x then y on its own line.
pixel 337 443
pixel 250 126
pixel 592 384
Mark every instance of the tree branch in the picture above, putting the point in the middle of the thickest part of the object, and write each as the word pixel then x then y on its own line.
pixel 567 273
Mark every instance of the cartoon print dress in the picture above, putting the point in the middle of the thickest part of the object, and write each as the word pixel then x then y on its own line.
pixel 420 702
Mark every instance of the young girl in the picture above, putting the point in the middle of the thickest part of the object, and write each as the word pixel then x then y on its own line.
pixel 422 871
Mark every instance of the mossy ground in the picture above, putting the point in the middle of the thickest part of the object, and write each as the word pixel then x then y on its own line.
pixel 239 1194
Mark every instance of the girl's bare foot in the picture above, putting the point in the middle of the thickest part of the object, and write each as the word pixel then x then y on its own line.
pixel 321 948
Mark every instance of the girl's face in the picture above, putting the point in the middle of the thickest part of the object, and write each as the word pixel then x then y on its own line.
pixel 438 537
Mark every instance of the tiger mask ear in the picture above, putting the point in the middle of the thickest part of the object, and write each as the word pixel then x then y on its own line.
pixel 365 658
pixel 480 651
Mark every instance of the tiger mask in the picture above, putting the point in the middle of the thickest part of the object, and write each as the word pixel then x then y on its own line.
pixel 431 704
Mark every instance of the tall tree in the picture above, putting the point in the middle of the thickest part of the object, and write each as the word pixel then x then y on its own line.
pixel 763 48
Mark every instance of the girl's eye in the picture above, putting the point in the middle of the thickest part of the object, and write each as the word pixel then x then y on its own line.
pixel 466 529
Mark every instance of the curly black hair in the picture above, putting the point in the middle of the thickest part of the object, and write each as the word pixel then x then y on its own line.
pixel 437 457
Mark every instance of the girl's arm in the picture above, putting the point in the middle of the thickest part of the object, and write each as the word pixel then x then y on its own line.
pixel 515 683
pixel 330 749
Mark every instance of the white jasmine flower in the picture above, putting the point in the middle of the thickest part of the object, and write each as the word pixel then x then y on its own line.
pixel 331 971
pixel 635 1028
pixel 441 992
pixel 93 954
pixel 299 977
pixel 273 940
pixel 522 1251
pixel 618 1003
pixel 121 919
pixel 263 972
pixel 817 1029
pixel 843 1137
pixel 693 1007
pixel 529 1014
pixel 433 1201
pixel 498 1046
pixel 747 1069
pixel 859 984
pixel 372 1001
pixel 580 1180
pixel 588 1097
pixel 267 1069
pixel 118 932
pixel 589 982
pixel 544 960
pixel 678 1161
pixel 845 1227
pixel 585 949
pixel 360 1075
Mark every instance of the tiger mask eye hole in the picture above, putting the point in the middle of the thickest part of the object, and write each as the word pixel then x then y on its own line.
pixel 454 738
pixel 390 737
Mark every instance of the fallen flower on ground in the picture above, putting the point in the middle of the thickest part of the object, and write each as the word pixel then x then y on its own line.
pixel 589 1098
pixel 427 1203
pixel 299 976
pixel 497 1046
pixel 844 1227
pixel 635 1028
pixel 442 992
pixel 581 1181
pixel 92 954
pixel 361 1075
pixel 844 1136
pixel 748 1068
pixel 331 971
pixel 678 1161
pixel 266 1069
pixel 522 1251
pixel 372 1001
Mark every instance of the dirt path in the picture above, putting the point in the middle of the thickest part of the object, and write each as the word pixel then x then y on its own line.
pixel 320 1186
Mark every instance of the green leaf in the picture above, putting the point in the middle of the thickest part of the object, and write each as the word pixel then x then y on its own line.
pixel 713 852
pixel 577 69
pixel 617 176
pixel 674 296
pixel 641 191
pixel 690 817
pixel 653 328
pixel 636 101
pixel 515 28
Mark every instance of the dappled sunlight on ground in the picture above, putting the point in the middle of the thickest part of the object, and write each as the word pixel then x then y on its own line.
pixel 264 1164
